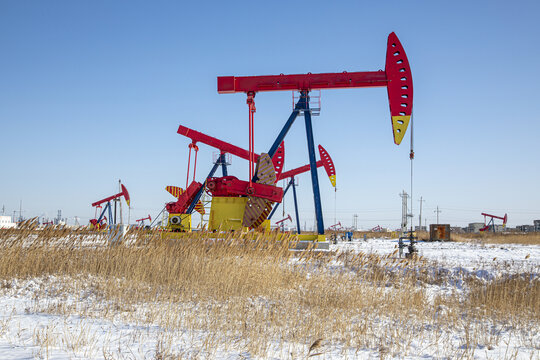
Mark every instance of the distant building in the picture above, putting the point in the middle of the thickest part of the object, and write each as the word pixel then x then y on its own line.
pixel 456 229
pixel 6 223
pixel 420 228
pixel 475 227
pixel 536 225
pixel 525 228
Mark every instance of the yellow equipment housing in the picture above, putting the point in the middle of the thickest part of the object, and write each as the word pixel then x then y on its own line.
pixel 179 222
pixel 311 237
pixel 265 226
pixel 227 213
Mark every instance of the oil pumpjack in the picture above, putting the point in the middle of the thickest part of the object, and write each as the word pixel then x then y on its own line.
pixel 239 203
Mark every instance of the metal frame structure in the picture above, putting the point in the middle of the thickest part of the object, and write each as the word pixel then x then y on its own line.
pixel 98 222
pixel 141 220
pixel 325 161
pixel 230 183
pixel 396 77
pixel 490 225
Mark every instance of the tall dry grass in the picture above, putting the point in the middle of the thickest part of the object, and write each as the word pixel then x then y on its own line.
pixel 249 291
pixel 499 238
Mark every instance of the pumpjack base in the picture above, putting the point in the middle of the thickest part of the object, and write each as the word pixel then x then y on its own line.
pixel 306 241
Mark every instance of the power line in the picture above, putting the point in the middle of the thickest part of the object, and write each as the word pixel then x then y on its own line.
pixel 438 212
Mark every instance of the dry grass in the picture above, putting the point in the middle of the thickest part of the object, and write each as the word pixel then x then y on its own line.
pixel 499 238
pixel 250 292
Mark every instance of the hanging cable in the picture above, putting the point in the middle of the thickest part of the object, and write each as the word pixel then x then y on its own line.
pixel 196 148
pixel 335 205
pixel 411 157
pixel 157 217
pixel 251 103
pixel 188 163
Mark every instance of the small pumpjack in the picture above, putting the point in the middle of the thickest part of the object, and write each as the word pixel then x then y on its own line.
pixel 490 226
pixel 236 204
pixel 281 222
pixel 101 221
pixel 330 169
pixel 140 222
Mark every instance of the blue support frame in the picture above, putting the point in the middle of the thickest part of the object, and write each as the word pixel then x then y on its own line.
pixel 277 205
pixel 107 207
pixel 199 193
pixel 223 165
pixel 299 106
pixel 291 183
pixel 295 206
pixel 110 212
pixel 303 105
pixel 313 165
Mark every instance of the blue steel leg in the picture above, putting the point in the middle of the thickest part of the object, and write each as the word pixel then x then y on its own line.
pixel 110 213
pixel 295 206
pixel 224 169
pixel 313 166
pixel 277 205
pixel 103 213
pixel 299 105
pixel 199 193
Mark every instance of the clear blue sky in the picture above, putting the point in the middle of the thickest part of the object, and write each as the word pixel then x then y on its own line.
pixel 93 91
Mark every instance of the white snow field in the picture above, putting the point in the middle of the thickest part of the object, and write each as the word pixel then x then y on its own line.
pixel 485 260
pixel 40 319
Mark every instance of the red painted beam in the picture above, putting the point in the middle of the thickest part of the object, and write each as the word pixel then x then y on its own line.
pixel 232 186
pixel 124 193
pixel 493 216
pixel 283 220
pixel 343 80
pixel 223 146
pixel 504 219
pixel 396 77
pixel 298 170
pixel 149 218
pixel 325 161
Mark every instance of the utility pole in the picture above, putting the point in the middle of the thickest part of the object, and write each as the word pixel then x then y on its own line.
pixel 120 187
pixel 420 216
pixel 335 205
pixel 20 212
pixel 438 212
pixel 404 212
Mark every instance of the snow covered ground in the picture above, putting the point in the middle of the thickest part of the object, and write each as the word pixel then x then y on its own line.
pixel 485 260
pixel 39 321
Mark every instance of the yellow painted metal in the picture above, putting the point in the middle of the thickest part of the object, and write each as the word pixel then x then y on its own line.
pixel 400 124
pixel 333 180
pixel 176 191
pixel 227 213
pixel 265 226
pixel 311 237
pixel 179 222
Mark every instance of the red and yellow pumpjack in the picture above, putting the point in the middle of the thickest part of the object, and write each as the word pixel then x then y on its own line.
pixel 100 222
pixel 237 203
